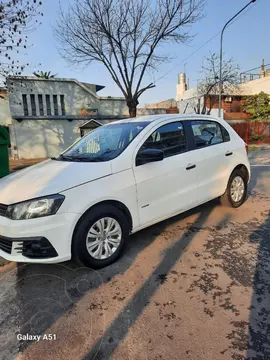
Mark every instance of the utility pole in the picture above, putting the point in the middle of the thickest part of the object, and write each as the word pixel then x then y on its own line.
pixel 220 55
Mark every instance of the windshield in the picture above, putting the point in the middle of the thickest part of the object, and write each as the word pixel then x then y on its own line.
pixel 104 143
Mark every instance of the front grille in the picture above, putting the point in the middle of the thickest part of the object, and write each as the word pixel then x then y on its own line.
pixel 3 209
pixel 5 245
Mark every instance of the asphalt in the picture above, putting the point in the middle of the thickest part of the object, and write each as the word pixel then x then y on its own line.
pixel 193 287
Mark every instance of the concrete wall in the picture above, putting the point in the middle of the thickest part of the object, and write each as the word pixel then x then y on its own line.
pixel 189 100
pixel 146 111
pixel 162 104
pixel 41 138
pixel 112 106
pixel 256 86
pixel 76 97
pixel 45 137
pixel 32 139
pixel 5 117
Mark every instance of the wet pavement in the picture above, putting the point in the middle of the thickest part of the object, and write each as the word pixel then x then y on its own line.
pixel 196 286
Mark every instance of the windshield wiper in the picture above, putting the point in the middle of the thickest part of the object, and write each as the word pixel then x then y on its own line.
pixel 65 158
pixel 76 158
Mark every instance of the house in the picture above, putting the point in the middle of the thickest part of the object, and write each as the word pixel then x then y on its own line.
pixel 251 83
pixel 46 114
pixel 168 106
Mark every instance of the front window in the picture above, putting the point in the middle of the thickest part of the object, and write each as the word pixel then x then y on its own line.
pixel 169 138
pixel 104 143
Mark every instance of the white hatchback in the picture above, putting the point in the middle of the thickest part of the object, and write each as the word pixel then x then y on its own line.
pixel 115 181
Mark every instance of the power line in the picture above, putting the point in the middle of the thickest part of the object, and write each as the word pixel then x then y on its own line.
pixel 207 42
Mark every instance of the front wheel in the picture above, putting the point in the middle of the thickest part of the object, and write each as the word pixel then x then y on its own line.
pixel 100 237
pixel 236 191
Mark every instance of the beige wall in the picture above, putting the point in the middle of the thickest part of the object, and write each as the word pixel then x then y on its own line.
pixel 42 138
pixel 5 117
pixel 113 106
pixel 256 86
pixel 162 104
pixel 46 138
pixel 145 112
pixel 76 97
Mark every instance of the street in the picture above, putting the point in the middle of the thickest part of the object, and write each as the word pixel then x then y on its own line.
pixel 196 286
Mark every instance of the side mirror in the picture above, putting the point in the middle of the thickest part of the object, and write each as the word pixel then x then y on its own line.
pixel 149 155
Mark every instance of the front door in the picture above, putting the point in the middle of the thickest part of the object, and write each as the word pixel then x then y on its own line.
pixel 169 186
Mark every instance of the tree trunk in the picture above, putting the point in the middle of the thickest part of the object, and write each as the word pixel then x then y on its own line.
pixel 132 107
pixel 204 104
pixel 132 111
pixel 211 105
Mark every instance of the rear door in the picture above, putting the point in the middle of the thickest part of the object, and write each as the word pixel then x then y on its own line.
pixel 214 158
pixel 169 186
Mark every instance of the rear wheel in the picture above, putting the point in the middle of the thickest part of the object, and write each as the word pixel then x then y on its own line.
pixel 100 237
pixel 236 191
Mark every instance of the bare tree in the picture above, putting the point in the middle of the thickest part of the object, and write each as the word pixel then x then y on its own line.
pixel 208 86
pixel 17 19
pixel 124 36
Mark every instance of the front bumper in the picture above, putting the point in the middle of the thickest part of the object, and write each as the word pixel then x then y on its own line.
pixel 50 235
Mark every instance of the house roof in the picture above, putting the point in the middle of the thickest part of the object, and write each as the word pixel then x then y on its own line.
pixel 98 87
pixel 164 104
pixel 88 124
pixel 85 86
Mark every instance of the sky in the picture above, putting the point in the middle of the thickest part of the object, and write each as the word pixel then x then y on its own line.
pixel 246 40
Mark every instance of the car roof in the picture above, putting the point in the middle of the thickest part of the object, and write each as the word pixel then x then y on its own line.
pixel 161 117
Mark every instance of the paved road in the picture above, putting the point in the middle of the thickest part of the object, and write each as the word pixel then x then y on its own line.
pixel 193 287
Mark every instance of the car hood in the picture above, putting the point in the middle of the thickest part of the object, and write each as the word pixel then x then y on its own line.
pixel 49 177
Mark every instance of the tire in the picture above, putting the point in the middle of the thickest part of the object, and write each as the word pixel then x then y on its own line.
pixel 227 199
pixel 84 236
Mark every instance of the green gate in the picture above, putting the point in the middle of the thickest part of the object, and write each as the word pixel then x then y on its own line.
pixel 4 144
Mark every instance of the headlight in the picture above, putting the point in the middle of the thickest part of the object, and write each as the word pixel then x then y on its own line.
pixel 35 208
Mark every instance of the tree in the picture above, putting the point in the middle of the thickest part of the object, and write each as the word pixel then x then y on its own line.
pixel 124 35
pixel 44 75
pixel 17 19
pixel 258 106
pixel 209 83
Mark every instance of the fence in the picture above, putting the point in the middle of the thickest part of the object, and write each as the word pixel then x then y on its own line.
pixel 253 132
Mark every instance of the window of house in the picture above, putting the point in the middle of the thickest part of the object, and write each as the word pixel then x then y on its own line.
pixel 55 105
pixel 48 105
pixel 206 133
pixel 62 101
pixel 33 105
pixel 40 104
pixel 25 105
pixel 170 138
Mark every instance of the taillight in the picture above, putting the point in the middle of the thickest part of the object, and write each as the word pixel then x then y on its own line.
pixel 246 146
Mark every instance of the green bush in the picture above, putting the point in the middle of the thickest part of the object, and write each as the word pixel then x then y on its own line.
pixel 257 137
pixel 258 106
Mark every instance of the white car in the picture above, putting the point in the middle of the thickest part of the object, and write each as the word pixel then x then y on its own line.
pixel 115 181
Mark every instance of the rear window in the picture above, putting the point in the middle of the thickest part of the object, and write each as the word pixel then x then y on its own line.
pixel 207 133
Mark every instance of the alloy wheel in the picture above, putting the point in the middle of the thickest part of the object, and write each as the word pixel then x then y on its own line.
pixel 103 238
pixel 237 189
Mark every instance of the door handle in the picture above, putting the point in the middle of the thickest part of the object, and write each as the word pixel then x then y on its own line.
pixel 190 166
pixel 228 153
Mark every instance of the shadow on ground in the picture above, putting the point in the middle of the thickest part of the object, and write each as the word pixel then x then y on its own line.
pixel 259 323
pixel 118 330
pixel 38 295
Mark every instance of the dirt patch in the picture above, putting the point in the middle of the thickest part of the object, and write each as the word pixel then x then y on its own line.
pixel 3 262
pixel 18 164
